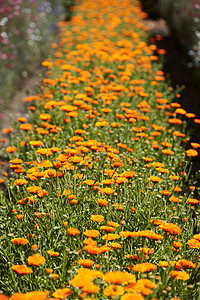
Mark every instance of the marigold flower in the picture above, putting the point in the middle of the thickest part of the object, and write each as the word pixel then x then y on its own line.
pixel 154 179
pixel 7 130
pixel 101 124
pixel 19 241
pixel 131 296
pixel 1 180
pixel 91 233
pixel 144 267
pixel 108 228
pixel 21 269
pixel 119 277
pixel 20 216
pixel 168 152
pixel 113 291
pixel 97 218
pixel 89 182
pixel 62 293
pixel 182 275
pixel 165 192
pixel 174 177
pixel 11 149
pixel 171 228
pixel 53 253
pixel 102 202
pixel 191 152
pixel 90 241
pixel 73 231
pixel 26 127
pixel 104 249
pixel 184 264
pixel 92 249
pixel 110 236
pixel 20 182
pixel 36 260
pixel 42 193
pixel 192 201
pixel 193 243
pixel 107 191
pixel 90 288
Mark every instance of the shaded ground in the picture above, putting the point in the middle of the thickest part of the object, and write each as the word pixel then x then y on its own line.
pixel 179 76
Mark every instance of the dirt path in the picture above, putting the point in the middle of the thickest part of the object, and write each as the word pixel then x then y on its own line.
pixel 16 107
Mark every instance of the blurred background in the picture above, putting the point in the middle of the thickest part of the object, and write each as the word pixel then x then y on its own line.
pixel 27 30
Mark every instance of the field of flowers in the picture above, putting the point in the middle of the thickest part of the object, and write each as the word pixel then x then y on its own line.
pixel 100 202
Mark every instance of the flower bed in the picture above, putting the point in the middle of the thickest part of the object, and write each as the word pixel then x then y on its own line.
pixel 100 203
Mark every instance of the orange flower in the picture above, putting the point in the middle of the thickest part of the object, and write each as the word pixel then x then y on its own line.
pixel 119 277
pixel 62 293
pixel 92 249
pixel 21 269
pixel 179 275
pixel 7 130
pixel 175 121
pixel 165 192
pixel 91 233
pixel 20 182
pixel 194 243
pixel 115 245
pixel 107 228
pixel 178 134
pixel 110 236
pixel 191 152
pixel 101 124
pixel 102 202
pixel 26 127
pixel 154 179
pixel 171 228
pixel 11 149
pixel 97 218
pixel 42 193
pixel 73 231
pixel 19 241
pixel 192 201
pixel 131 296
pixel 168 152
pixel 19 217
pixel 1 180
pixel 107 191
pixel 89 182
pixel 53 253
pixel 144 267
pixel 113 291
pixel 174 177
pixel 86 263
pixel 36 260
